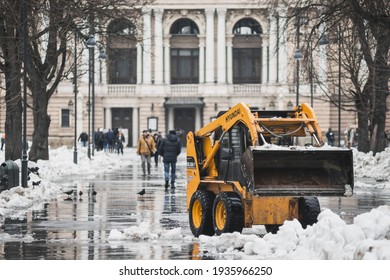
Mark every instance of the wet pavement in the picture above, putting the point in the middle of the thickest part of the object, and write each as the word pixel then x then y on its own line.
pixel 79 227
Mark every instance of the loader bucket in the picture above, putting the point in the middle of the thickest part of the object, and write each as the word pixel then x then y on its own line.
pixel 305 172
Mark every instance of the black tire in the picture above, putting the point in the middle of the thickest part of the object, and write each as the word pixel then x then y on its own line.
pixel 272 228
pixel 228 213
pixel 309 209
pixel 200 213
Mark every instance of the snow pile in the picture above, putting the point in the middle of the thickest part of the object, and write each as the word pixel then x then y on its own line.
pixel 331 239
pixel 274 147
pixel 143 232
pixel 368 165
pixel 60 164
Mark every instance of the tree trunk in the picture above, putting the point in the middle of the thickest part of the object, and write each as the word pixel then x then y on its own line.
pixel 363 130
pixel 40 146
pixel 11 67
pixel 378 140
pixel 13 119
pixel 380 91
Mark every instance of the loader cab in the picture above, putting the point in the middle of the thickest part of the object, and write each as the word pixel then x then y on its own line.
pixel 228 159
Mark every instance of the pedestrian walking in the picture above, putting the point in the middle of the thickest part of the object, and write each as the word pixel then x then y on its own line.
pixel 157 137
pixel 83 138
pixel 146 147
pixel 170 149
pixel 330 137
pixel 110 140
pixel 2 141
pixel 120 139
pixel 99 139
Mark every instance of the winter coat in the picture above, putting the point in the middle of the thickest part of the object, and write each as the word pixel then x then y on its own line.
pixel 83 136
pixel 120 139
pixel 330 136
pixel 170 148
pixel 143 149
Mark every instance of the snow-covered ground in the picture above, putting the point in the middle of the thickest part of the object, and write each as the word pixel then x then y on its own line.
pixel 331 238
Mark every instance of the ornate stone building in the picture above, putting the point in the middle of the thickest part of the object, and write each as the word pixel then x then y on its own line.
pixel 187 61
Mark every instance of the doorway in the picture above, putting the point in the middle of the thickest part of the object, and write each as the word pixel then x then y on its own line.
pixel 184 121
pixel 122 118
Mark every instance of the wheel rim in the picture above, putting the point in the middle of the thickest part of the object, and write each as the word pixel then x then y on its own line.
pixel 220 215
pixel 197 213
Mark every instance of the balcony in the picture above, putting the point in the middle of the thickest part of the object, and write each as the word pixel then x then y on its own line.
pixel 121 90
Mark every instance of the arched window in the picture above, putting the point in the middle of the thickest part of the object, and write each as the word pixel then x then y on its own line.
pixel 184 27
pixel 122 52
pixel 247 52
pixel 184 52
pixel 247 26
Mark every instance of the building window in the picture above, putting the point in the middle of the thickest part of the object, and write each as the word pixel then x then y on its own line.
pixel 184 66
pixel 246 66
pixel 184 27
pixel 122 54
pixel 123 66
pixel 65 122
pixel 247 52
pixel 247 26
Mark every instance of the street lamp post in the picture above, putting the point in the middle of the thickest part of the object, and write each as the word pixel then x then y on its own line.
pixel 89 122
pixel 339 100
pixel 75 99
pixel 91 45
pixel 25 58
pixel 89 109
pixel 298 56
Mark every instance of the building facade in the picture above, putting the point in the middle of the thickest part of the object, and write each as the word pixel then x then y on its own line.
pixel 183 64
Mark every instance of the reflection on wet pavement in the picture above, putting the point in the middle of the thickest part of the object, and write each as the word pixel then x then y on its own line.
pixel 78 227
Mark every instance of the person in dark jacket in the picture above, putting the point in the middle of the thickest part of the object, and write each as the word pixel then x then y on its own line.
pixel 83 138
pixel 157 140
pixel 169 149
pixel 330 137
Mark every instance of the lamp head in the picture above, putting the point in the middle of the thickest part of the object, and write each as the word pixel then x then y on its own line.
pixel 323 40
pixel 298 54
pixel 91 42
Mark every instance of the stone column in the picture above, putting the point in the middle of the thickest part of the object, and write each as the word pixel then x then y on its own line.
pixel 210 45
pixel 282 45
pixel 135 125
pixel 201 59
pixel 147 42
pixel 167 60
pixel 229 46
pixel 158 45
pixel 107 118
pixel 264 71
pixel 221 65
pixel 273 49
pixel 139 63
pixel 198 123
pixel 171 123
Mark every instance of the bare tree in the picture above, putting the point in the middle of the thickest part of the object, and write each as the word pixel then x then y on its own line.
pixel 360 29
pixel 51 23
pixel 11 56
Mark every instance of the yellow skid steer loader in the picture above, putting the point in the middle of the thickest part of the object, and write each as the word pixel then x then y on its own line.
pixel 245 168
